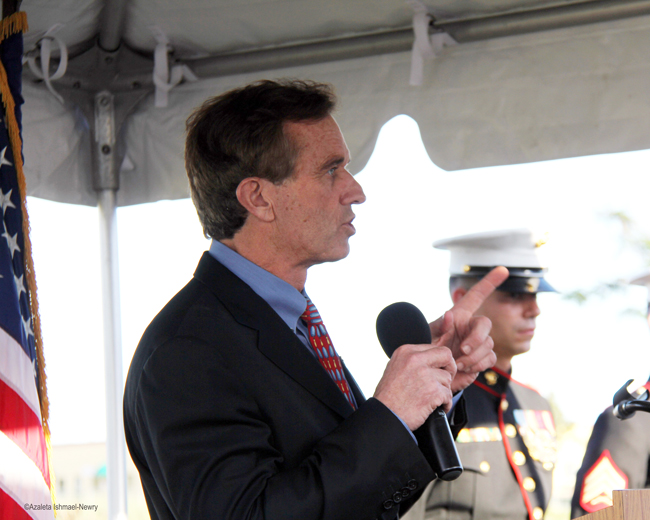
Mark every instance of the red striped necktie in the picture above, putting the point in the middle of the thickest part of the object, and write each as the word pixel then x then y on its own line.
pixel 320 341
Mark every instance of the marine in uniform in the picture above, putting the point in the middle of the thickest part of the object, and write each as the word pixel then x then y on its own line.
pixel 508 447
pixel 617 455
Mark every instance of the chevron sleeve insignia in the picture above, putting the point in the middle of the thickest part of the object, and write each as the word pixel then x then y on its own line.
pixel 603 477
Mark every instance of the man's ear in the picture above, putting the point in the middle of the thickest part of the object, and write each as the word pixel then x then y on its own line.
pixel 458 293
pixel 252 193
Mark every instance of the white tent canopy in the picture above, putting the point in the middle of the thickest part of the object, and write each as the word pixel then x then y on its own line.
pixel 528 80
pixel 577 90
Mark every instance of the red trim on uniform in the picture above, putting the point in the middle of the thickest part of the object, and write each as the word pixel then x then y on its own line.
pixel 501 373
pixel 510 378
pixel 647 386
pixel 487 389
pixel 604 489
pixel 11 510
pixel 515 468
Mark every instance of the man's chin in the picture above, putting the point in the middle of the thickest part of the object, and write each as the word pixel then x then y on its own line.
pixel 336 258
pixel 338 253
pixel 333 255
pixel 523 348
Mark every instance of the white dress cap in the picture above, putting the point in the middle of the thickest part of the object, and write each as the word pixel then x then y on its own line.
pixel 514 248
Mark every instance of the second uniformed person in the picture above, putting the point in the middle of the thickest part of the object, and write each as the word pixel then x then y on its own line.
pixel 617 455
pixel 508 447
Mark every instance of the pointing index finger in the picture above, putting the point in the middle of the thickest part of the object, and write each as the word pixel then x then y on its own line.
pixel 475 297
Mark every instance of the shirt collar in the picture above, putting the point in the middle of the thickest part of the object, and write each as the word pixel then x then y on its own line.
pixel 284 298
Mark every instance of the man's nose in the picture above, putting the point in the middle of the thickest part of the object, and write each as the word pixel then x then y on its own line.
pixel 354 192
pixel 532 309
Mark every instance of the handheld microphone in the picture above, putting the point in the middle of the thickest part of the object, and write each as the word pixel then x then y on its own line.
pixel 399 324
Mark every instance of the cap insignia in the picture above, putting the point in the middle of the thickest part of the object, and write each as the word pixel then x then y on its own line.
pixel 533 284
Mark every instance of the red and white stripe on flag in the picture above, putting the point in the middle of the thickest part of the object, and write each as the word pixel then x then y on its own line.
pixel 24 472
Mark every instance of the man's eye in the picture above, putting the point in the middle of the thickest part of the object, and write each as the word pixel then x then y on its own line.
pixel 331 171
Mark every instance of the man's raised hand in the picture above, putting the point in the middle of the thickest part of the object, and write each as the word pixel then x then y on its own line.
pixel 467 335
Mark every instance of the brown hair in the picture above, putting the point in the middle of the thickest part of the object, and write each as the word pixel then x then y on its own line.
pixel 239 134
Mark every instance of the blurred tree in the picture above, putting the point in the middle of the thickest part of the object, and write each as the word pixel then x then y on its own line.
pixel 631 238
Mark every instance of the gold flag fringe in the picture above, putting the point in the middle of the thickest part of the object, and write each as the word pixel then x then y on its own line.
pixel 14 24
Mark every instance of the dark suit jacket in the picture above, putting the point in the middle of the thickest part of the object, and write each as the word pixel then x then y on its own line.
pixel 228 416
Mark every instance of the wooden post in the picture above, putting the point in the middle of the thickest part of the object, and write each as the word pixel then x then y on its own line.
pixel 629 504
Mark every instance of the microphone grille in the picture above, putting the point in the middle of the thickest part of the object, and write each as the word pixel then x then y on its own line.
pixel 401 323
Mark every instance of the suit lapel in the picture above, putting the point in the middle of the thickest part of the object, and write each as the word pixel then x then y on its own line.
pixel 354 387
pixel 285 350
pixel 276 341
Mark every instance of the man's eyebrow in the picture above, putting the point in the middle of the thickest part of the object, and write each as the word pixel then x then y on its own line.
pixel 331 163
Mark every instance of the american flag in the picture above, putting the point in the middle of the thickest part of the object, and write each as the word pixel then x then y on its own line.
pixel 25 490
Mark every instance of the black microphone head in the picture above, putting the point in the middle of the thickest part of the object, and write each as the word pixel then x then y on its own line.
pixel 401 323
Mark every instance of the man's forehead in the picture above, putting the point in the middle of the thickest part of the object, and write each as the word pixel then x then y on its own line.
pixel 312 126
pixel 323 135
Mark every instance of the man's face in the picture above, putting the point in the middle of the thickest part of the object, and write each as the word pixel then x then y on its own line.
pixel 513 321
pixel 314 206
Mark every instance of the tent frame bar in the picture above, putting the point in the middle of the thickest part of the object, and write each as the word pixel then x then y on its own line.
pixel 545 19
pixel 386 42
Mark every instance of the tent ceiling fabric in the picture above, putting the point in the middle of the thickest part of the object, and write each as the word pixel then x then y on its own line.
pixel 545 95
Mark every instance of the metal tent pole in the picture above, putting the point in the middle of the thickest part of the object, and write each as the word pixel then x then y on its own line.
pixel 112 24
pixel 107 184
pixel 105 112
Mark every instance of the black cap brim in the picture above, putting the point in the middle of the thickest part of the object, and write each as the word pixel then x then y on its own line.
pixel 527 285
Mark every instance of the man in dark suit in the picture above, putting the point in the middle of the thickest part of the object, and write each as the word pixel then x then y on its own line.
pixel 236 404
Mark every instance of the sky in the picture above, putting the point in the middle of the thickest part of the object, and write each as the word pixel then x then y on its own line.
pixel 580 356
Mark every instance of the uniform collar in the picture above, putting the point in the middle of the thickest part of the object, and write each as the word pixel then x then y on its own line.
pixel 494 381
